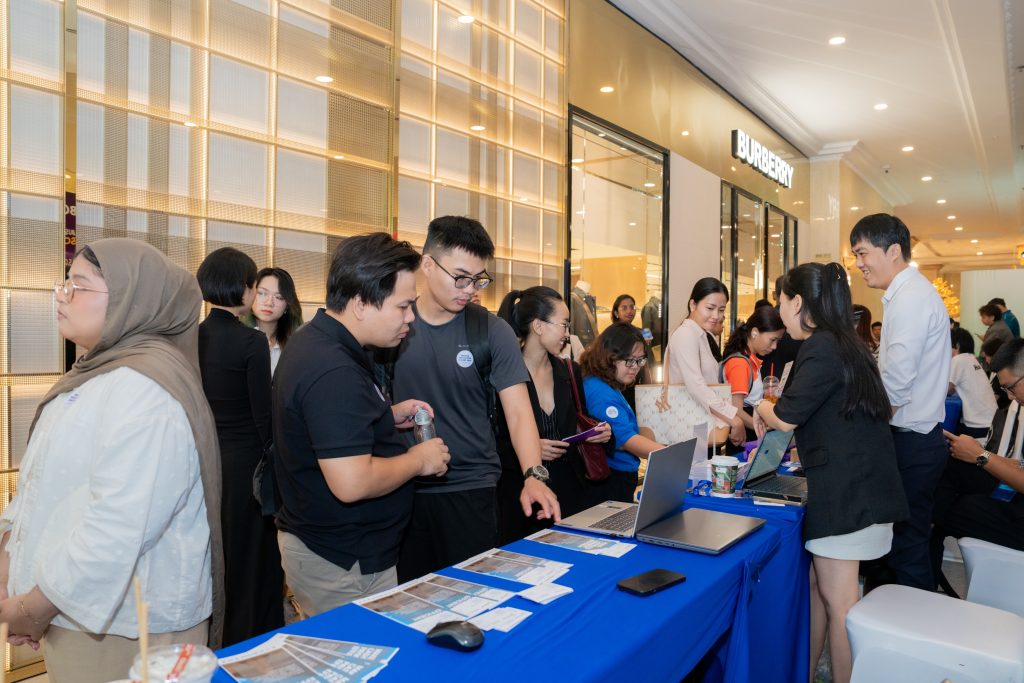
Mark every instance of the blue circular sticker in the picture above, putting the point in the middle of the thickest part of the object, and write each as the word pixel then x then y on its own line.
pixel 464 358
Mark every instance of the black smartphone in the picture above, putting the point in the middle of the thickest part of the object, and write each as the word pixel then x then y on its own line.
pixel 651 582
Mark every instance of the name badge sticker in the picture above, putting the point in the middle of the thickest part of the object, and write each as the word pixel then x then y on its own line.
pixel 612 412
pixel 464 358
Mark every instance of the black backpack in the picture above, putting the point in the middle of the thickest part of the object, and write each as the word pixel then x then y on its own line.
pixel 479 346
pixel 750 363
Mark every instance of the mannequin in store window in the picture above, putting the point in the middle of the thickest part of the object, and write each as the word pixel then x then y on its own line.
pixel 583 312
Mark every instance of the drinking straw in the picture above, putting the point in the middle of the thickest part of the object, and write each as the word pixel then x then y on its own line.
pixel 771 369
pixel 141 609
pixel 3 644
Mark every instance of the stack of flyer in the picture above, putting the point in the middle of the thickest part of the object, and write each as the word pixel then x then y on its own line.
pixel 297 659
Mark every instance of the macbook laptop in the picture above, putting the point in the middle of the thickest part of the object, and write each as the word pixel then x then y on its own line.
pixel 763 481
pixel 657 518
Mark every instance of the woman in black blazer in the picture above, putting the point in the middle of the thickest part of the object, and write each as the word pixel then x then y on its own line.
pixel 540 319
pixel 235 364
pixel 835 401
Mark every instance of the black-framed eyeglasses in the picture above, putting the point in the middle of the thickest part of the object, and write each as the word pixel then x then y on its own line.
pixel 1009 389
pixel 463 281
pixel 68 288
pixel 564 326
pixel 634 362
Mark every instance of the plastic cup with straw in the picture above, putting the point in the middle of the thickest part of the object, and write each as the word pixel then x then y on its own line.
pixel 142 611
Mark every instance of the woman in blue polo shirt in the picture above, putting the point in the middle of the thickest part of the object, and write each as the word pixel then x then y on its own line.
pixel 611 364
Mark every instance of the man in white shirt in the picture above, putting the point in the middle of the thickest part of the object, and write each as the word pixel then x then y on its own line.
pixel 914 361
pixel 971 384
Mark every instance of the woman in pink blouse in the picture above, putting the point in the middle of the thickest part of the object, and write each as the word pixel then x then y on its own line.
pixel 691 362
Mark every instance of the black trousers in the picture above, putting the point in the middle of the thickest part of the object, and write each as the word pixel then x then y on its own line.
pixel 621 486
pixel 922 459
pixel 447 528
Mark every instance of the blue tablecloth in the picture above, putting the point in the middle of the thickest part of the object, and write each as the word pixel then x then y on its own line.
pixel 746 608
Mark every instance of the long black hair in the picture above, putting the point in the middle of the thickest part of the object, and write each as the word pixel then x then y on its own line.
pixel 291 320
pixel 827 307
pixel 763 319
pixel 520 308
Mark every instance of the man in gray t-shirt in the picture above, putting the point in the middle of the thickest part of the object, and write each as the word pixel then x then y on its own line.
pixel 455 517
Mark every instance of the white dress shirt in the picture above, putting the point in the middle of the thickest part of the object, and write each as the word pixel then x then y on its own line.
pixel 914 353
pixel 974 389
pixel 109 490
pixel 691 362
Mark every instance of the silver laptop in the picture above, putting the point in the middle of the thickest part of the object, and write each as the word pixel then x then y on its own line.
pixel 657 519
pixel 763 481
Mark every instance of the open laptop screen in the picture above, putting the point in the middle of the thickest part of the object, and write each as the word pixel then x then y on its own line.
pixel 769 454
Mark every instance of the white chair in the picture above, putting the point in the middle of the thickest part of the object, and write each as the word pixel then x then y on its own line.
pixel 992 572
pixel 907 635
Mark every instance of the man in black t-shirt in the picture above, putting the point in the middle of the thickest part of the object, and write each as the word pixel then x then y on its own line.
pixel 456 518
pixel 343 473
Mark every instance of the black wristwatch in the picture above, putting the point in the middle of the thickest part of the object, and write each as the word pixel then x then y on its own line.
pixel 982 459
pixel 538 472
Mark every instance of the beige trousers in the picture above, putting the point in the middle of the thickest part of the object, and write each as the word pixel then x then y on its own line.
pixel 79 657
pixel 320 585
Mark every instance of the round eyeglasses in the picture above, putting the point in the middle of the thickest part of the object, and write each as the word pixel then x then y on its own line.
pixel 68 288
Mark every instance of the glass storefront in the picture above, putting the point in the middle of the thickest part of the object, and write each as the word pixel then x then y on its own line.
pixel 616 228
pixel 758 245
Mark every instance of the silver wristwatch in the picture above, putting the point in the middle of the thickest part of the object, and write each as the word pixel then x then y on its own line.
pixel 538 472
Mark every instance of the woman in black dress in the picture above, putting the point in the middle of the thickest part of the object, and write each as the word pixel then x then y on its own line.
pixel 836 403
pixel 540 319
pixel 235 364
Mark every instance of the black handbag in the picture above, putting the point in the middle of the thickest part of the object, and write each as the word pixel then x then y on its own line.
pixel 264 484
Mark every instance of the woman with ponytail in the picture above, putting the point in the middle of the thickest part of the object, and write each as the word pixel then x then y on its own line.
pixel 835 402
pixel 741 367
pixel 540 319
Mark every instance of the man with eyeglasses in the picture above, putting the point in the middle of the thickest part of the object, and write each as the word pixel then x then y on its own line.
pixel 972 506
pixel 457 518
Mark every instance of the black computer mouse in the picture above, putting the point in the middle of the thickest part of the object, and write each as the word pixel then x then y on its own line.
pixel 456 635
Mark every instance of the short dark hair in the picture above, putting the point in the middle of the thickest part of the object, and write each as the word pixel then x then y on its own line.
pixel 615 306
pixel 224 275
pixel 998 301
pixel 367 266
pixel 778 285
pixel 877 323
pixel 992 346
pixel 991 311
pixel 1010 356
pixel 962 340
pixel 883 230
pixel 706 286
pixel 458 232
pixel 615 343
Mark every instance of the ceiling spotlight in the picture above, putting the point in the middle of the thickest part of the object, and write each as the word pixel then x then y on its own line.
pixel 951 217
pixel 979 253
pixel 339 157
pixel 190 124
pixel 607 88
pixel 632 224
pixel 940 201
pixel 466 19
pixel 881 106
pixel 776 234
pixel 959 228
pixel 648 184
pixel 974 241
pixel 324 79
pixel 854 208
pixel 907 148
pixel 478 128
pixel 685 133
pixel 733 167
pixel 836 40
pixel 577 160
pixel 926 178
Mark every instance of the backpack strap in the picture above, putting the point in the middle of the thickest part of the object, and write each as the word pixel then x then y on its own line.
pixel 750 364
pixel 480 346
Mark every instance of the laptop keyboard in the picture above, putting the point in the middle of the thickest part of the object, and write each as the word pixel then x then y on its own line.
pixel 623 521
pixel 791 485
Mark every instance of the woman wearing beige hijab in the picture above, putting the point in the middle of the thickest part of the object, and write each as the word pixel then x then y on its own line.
pixel 121 476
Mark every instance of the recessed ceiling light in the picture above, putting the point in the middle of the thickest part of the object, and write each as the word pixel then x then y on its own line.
pixel 632 224
pixel 836 40
pixel 324 79
pixel 940 201
pixel 685 133
pixel 601 135
pixel 339 156
pixel 959 228
pixel 776 234
pixel 798 202
pixel 746 215
pixel 466 19
pixel 951 217
pixel 741 260
pixel 607 88
pixel 577 161
pixel 190 124
pixel 733 167
pixel 478 128
pixel 926 178
pixel 580 212
pixel 979 253
pixel 648 184
pixel 907 148
pixel 881 106
pixel 974 241
pixel 854 208
pixel 438 180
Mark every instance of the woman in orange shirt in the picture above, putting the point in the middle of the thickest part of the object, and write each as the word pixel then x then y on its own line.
pixel 741 366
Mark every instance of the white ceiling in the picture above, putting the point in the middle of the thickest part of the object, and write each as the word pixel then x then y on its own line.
pixel 946 68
